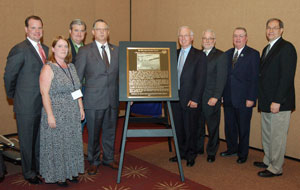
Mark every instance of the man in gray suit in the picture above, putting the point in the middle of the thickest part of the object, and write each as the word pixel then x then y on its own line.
pixel 97 62
pixel 21 79
pixel 211 100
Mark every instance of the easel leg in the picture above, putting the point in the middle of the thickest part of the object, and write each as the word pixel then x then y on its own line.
pixel 123 142
pixel 175 141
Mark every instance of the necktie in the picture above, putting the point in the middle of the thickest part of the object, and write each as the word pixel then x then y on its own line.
pixel 180 66
pixel 235 58
pixel 267 50
pixel 104 56
pixel 76 47
pixel 206 52
pixel 42 53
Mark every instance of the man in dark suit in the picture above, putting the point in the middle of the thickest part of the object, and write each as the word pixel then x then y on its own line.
pixel 21 79
pixel 211 100
pixel 276 99
pixel 77 33
pixel 97 62
pixel 240 95
pixel 191 81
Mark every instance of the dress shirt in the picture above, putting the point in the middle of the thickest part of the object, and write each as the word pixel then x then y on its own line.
pixel 34 44
pixel 273 42
pixel 106 49
pixel 186 52
pixel 207 51
pixel 239 51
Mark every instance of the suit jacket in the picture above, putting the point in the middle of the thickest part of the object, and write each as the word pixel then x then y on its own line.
pixel 21 78
pixel 73 51
pixel 242 80
pixel 216 75
pixel 101 82
pixel 276 77
pixel 193 76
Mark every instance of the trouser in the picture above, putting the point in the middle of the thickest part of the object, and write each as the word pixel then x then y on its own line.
pixel 29 138
pixel 185 125
pixel 211 116
pixel 274 134
pixel 105 120
pixel 237 129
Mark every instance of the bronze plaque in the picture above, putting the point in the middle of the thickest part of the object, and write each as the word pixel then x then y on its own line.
pixel 148 72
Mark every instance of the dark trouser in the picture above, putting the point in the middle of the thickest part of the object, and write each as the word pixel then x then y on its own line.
pixel 186 124
pixel 29 137
pixel 2 165
pixel 211 116
pixel 105 120
pixel 237 129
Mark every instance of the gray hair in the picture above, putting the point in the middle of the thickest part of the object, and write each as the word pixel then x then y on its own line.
pixel 210 31
pixel 77 22
pixel 187 27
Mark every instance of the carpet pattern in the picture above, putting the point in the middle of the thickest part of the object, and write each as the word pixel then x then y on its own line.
pixel 137 175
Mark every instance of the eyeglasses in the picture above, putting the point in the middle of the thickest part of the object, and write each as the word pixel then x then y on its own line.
pixel 101 29
pixel 208 39
pixel 275 28
pixel 184 36
pixel 239 36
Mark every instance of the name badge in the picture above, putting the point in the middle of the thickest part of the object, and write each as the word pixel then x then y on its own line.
pixel 76 94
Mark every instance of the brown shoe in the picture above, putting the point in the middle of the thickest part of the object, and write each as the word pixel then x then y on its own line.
pixel 92 170
pixel 113 165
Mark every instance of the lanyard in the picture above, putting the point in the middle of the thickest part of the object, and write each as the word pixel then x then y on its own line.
pixel 69 77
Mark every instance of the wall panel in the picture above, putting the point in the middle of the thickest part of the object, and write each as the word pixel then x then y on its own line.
pixel 159 20
pixel 56 16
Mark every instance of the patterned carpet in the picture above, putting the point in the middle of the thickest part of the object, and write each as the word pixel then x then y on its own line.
pixel 137 174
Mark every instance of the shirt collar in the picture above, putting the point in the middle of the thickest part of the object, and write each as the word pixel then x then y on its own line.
pixel 207 51
pixel 239 51
pixel 99 44
pixel 34 43
pixel 187 49
pixel 274 41
pixel 78 45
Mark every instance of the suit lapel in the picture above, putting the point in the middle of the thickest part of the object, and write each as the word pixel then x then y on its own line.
pixel 35 53
pixel 188 60
pixel 112 57
pixel 275 48
pixel 96 52
pixel 211 54
pixel 241 57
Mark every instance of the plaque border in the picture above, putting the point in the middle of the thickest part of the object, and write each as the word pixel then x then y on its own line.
pixel 123 70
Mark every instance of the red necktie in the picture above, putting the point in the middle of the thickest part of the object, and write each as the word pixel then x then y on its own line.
pixel 42 53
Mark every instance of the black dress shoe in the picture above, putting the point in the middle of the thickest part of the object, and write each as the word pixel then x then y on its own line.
pixel 62 184
pixel 211 158
pixel 35 180
pixel 2 178
pixel 175 159
pixel 267 173
pixel 201 152
pixel 190 163
pixel 241 160
pixel 228 154
pixel 260 165
pixel 74 180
